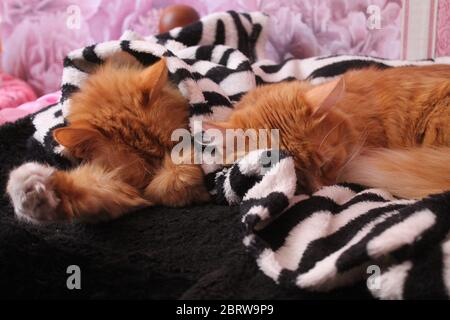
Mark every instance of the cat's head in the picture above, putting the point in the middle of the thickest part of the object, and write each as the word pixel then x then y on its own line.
pixel 284 106
pixel 310 126
pixel 123 116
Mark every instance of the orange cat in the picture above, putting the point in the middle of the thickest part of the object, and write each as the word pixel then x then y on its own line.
pixel 121 123
pixel 380 128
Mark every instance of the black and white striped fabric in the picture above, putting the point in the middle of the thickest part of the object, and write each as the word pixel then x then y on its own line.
pixel 340 235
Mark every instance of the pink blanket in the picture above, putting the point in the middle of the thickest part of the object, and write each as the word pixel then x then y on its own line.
pixel 12 114
pixel 14 92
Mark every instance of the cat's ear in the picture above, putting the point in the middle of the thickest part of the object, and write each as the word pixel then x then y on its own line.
pixel 323 97
pixel 153 80
pixel 79 141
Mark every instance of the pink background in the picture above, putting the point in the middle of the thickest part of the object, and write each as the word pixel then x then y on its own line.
pixel 36 37
pixel 443 29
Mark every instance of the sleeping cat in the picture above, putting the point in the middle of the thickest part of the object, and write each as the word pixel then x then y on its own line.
pixel 121 123
pixel 381 128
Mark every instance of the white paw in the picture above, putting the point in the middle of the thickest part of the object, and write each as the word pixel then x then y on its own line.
pixel 31 194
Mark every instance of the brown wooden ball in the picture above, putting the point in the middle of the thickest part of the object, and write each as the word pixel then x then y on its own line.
pixel 178 15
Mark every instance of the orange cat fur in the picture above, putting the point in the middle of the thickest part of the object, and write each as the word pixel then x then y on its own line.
pixel 121 123
pixel 380 128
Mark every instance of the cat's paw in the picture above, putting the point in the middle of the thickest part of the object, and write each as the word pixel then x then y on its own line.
pixel 29 187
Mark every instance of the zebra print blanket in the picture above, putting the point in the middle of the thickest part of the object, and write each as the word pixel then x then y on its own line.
pixel 341 234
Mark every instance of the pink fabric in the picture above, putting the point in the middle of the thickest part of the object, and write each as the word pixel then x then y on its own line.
pixel 38 34
pixel 443 29
pixel 14 92
pixel 12 114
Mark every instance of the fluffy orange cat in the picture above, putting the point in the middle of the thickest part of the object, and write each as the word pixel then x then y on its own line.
pixel 380 128
pixel 121 123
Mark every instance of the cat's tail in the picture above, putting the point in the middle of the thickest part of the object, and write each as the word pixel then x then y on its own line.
pixel 407 173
